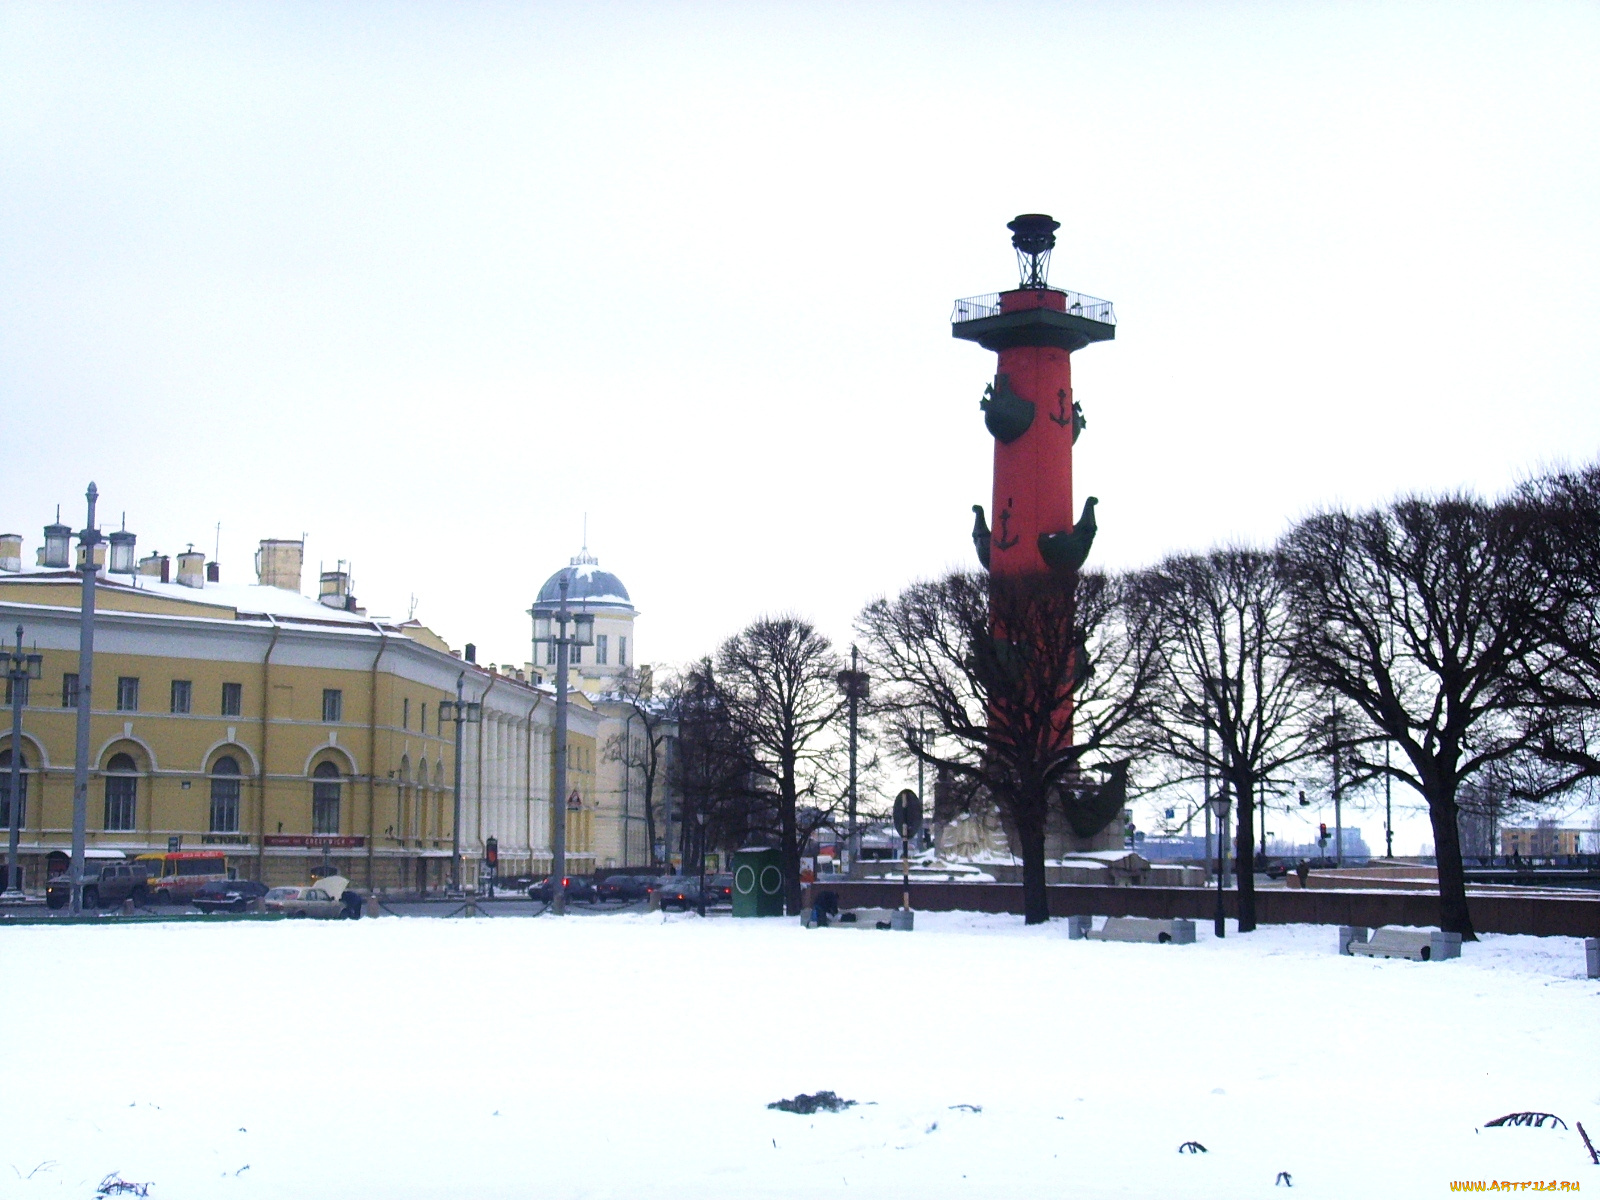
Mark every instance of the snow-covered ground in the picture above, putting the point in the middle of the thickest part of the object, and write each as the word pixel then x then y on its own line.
pixel 634 1056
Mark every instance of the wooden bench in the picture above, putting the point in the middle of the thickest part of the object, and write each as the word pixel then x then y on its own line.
pixel 1419 945
pixel 1177 932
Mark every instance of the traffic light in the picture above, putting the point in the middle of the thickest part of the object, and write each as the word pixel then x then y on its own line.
pixel 1304 803
pixel 1322 832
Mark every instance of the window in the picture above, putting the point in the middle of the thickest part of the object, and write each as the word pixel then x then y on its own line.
pixel 21 686
pixel 600 649
pixel 325 798
pixel 69 691
pixel 423 724
pixel 405 713
pixel 122 790
pixel 5 791
pixel 577 655
pixel 622 651
pixel 419 819
pixel 182 690
pixel 225 795
pixel 128 693
pixel 232 699
pixel 332 705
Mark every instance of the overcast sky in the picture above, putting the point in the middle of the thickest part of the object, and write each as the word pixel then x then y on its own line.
pixel 430 282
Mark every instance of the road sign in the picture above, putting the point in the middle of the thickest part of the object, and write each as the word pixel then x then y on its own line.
pixel 907 814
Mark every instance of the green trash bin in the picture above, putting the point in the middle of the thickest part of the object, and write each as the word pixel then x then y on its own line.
pixel 757 882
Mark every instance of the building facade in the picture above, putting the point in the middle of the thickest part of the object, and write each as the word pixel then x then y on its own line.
pixel 300 735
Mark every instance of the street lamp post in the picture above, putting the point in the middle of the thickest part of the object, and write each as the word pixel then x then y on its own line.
pixel 20 669
pixel 1219 808
pixel 1388 809
pixel 463 712
pixel 700 820
pixel 550 629
pixel 87 541
pixel 1338 812
pixel 853 683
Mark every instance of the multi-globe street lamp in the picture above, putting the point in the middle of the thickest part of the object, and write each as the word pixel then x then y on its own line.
pixel 550 629
pixel 856 687
pixel 21 669
pixel 88 539
pixel 463 712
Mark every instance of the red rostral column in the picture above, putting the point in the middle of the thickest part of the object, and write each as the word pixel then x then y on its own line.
pixel 1030 411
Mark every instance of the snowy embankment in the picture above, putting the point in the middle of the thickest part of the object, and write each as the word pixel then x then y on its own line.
pixel 632 1056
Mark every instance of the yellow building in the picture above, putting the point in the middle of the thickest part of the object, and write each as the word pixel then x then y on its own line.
pixel 1543 841
pixel 291 732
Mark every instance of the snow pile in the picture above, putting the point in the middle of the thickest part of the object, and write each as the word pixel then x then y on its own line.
pixel 631 1056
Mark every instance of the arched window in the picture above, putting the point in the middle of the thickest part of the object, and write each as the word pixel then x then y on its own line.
pixel 325 798
pixel 5 790
pixel 419 815
pixel 403 804
pixel 225 795
pixel 122 794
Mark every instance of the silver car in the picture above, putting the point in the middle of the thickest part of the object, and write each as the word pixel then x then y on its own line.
pixel 327 898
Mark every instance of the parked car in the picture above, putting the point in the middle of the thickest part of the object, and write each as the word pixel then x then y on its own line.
pixel 103 883
pixel 719 889
pixel 681 892
pixel 274 900
pixel 327 898
pixel 228 895
pixel 626 888
pixel 577 887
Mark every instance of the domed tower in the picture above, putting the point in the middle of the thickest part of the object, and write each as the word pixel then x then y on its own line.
pixel 591 590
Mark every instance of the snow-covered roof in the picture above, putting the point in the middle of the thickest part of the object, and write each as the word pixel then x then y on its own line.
pixel 245 599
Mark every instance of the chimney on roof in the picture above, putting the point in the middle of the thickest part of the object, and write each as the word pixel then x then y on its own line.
pixel 472 653
pixel 334 588
pixel 156 566
pixel 278 563
pixel 213 572
pixel 10 552
pixel 192 568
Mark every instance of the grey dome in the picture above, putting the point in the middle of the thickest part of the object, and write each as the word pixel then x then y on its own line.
pixel 587 585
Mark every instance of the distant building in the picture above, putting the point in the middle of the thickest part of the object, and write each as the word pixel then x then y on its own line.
pixel 1544 840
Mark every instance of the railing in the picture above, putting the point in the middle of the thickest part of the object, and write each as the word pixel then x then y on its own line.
pixel 975 308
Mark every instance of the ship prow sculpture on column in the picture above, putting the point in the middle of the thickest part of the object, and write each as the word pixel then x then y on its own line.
pixel 1030 412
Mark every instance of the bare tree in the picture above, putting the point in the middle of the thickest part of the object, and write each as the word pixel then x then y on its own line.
pixel 652 715
pixel 1565 680
pixel 712 768
pixel 1017 713
pixel 1423 615
pixel 776 679
pixel 1221 619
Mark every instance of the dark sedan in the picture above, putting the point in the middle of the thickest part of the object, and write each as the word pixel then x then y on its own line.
pixel 228 895
pixel 681 892
pixel 719 889
pixel 626 888
pixel 575 886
